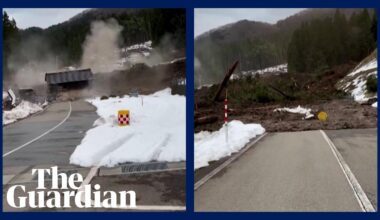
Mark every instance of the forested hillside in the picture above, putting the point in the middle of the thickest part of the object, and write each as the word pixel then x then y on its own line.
pixel 346 35
pixel 64 41
pixel 324 43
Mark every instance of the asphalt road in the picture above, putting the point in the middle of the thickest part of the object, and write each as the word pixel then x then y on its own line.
pixel 291 171
pixel 55 147
pixel 159 189
pixel 359 149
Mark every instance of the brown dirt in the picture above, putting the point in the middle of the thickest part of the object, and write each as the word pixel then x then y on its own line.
pixel 317 92
pixel 342 114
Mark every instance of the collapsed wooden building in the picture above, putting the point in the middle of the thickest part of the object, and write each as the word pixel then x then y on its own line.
pixel 66 80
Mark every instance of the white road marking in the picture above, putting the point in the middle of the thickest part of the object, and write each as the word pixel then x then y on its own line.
pixel 45 133
pixel 225 164
pixel 359 193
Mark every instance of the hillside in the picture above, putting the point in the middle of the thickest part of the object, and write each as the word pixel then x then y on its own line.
pixel 64 41
pixel 361 82
pixel 256 45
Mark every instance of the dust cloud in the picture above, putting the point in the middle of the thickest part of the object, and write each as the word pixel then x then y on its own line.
pixel 101 48
pixel 31 61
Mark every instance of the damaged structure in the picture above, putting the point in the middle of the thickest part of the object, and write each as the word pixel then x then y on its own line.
pixel 67 80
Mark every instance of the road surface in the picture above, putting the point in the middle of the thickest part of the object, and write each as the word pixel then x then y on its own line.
pixel 55 147
pixel 49 138
pixel 292 171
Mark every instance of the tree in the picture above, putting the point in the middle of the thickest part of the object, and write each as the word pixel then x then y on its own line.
pixel 323 43
pixel 10 41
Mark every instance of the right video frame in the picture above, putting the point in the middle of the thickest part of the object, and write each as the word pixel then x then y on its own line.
pixel 285 110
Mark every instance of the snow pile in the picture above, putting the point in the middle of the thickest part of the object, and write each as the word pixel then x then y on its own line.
pixel 355 82
pixel 23 110
pixel 297 110
pixel 374 105
pixel 211 146
pixel 156 131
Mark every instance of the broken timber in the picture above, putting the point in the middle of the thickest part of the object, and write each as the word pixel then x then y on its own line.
pixel 225 81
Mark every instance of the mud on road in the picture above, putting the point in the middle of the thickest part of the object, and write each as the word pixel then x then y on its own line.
pixel 309 90
pixel 342 114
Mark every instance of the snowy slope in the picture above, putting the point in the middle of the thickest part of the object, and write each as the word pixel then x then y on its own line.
pixel 355 82
pixel 211 146
pixel 23 110
pixel 133 54
pixel 142 46
pixel 156 132
pixel 282 68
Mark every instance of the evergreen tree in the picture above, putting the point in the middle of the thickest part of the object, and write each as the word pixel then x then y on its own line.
pixel 324 43
pixel 10 40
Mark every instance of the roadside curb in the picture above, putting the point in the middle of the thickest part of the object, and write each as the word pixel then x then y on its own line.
pixel 142 168
pixel 202 181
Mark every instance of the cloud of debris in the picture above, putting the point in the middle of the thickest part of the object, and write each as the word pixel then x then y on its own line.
pixel 31 61
pixel 101 49
pixel 197 69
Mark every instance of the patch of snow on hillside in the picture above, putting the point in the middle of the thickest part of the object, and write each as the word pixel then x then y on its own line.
pixel 356 81
pixel 297 110
pixel 157 131
pixel 204 86
pixel 282 68
pixel 143 46
pixel 212 146
pixel 374 105
pixel 360 68
pixel 22 110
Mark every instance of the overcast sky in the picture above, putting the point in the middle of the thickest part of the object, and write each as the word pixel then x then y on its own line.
pixel 207 19
pixel 41 17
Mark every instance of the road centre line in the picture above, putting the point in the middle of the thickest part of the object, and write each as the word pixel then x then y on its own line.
pixel 42 135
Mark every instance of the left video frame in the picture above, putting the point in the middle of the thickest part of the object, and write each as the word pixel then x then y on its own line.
pixel 94 109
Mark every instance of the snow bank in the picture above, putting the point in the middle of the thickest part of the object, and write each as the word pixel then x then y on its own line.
pixel 23 110
pixel 211 146
pixel 297 110
pixel 156 131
